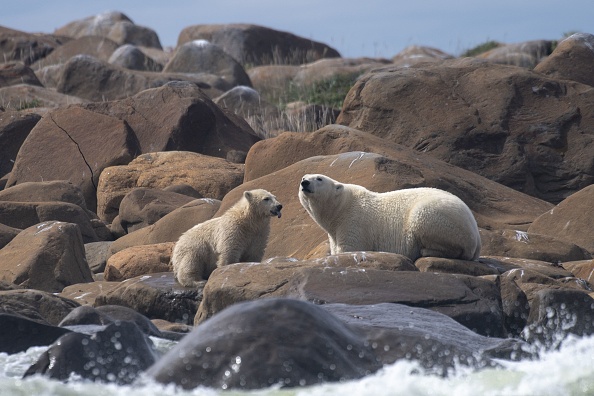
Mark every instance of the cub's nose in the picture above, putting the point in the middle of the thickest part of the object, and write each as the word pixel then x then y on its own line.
pixel 279 207
pixel 305 183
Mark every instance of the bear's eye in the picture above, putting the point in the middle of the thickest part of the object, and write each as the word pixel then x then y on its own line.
pixel 266 199
pixel 319 179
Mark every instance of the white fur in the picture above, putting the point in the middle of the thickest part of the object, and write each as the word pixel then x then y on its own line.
pixel 238 235
pixel 415 222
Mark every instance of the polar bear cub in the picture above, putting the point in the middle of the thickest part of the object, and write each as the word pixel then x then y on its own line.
pixel 239 234
pixel 415 222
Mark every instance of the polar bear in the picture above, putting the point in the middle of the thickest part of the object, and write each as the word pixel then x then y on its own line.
pixel 415 222
pixel 239 234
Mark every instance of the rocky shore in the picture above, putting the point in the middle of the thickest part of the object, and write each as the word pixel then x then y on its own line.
pixel 111 147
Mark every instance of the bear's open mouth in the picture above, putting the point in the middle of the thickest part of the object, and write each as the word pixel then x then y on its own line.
pixel 306 190
pixel 276 212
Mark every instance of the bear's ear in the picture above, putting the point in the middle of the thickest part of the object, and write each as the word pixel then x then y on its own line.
pixel 248 195
pixel 339 186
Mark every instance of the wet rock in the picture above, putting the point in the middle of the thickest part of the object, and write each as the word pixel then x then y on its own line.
pixel 118 354
pixel 264 343
pixel 21 333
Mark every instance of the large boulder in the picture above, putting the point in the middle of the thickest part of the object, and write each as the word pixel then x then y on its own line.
pixel 572 220
pixel 359 278
pixel 142 207
pixel 74 144
pixel 26 47
pixel 179 116
pixel 96 46
pixel 25 333
pixel 414 54
pixel 200 56
pixel 131 57
pixel 525 54
pixel 14 73
pixel 97 81
pixel 156 296
pixel 27 214
pixel 40 99
pixel 572 59
pixel 212 177
pixel 259 45
pixel 137 261
pixel 512 125
pixel 112 25
pixel 265 343
pixel 118 353
pixel 14 129
pixel 48 256
pixel 45 191
pixel 37 305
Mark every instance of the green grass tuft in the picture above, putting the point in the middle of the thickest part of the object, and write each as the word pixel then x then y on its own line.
pixel 481 48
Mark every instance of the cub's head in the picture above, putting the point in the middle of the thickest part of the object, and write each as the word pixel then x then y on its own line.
pixel 263 202
pixel 318 188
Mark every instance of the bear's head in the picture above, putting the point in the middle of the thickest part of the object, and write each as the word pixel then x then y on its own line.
pixel 263 202
pixel 318 188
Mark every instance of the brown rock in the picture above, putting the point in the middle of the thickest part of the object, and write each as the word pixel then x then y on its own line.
pixel 511 125
pixel 200 56
pixel 25 47
pixel 36 305
pixel 212 177
pixel 528 245
pixel 137 261
pixel 86 293
pixel 22 96
pixel 26 214
pixel 96 254
pixel 45 191
pixel 414 54
pixel 48 256
pixel 526 54
pixel 471 301
pixel 583 269
pixel 14 129
pixel 73 144
pixel 113 25
pixel 572 220
pixel 157 296
pixel 14 73
pixel 258 45
pixel 572 59
pixel 95 46
pixel 273 81
pixel 171 226
pixel 98 81
pixel 131 57
pixel 7 234
pixel 142 207
pixel 449 266
pixel 179 116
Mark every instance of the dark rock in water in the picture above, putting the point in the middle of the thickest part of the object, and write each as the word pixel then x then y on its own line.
pixel 19 333
pixel 116 354
pixel 436 341
pixel 157 296
pixel 265 342
pixel 556 313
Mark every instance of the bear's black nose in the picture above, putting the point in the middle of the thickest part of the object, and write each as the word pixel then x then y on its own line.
pixel 279 207
pixel 305 183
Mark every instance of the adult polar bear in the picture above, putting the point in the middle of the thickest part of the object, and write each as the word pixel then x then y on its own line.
pixel 239 234
pixel 415 222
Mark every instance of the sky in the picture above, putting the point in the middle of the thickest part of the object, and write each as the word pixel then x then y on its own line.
pixel 356 28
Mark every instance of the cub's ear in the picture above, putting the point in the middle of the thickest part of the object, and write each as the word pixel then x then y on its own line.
pixel 339 186
pixel 248 195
